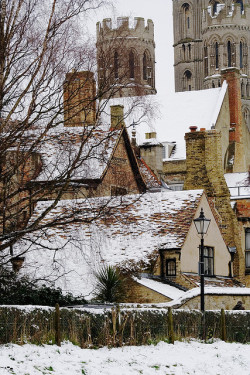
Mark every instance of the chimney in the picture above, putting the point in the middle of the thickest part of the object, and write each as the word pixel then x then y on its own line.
pixel 79 99
pixel 117 117
pixel 232 76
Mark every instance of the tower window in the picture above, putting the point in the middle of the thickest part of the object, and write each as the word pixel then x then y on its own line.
pixel 187 80
pixel 241 55
pixel 241 5
pixel 229 54
pixel 131 65
pixel 145 76
pixel 216 55
pixel 205 61
pixel 116 64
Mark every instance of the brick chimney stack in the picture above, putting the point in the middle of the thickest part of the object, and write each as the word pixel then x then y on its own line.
pixel 232 76
pixel 79 99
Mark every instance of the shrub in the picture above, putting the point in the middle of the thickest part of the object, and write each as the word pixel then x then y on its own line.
pixel 16 290
pixel 110 285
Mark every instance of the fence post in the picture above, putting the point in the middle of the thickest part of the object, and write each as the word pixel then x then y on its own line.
pixel 170 326
pixel 57 325
pixel 223 325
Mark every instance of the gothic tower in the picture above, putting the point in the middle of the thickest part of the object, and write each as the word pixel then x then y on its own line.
pixel 209 36
pixel 126 58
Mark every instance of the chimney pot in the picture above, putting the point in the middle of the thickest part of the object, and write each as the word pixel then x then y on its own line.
pixel 193 129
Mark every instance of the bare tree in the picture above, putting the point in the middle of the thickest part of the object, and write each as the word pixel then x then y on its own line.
pixel 42 52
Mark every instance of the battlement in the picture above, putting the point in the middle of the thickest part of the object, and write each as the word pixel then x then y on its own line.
pixel 225 16
pixel 127 27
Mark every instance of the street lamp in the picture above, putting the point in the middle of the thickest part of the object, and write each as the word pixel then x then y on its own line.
pixel 202 224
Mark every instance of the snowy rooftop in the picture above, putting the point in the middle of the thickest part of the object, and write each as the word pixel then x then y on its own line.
pixel 127 233
pixel 238 184
pixel 184 109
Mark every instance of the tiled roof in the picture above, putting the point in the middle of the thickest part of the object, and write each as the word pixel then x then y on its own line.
pixel 148 175
pixel 128 233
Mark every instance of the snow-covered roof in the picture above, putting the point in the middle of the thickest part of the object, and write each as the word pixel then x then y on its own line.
pixel 190 108
pixel 238 184
pixel 128 233
pixel 90 148
pixel 182 110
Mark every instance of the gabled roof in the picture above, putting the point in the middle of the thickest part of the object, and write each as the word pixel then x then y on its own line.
pixel 128 233
pixel 92 149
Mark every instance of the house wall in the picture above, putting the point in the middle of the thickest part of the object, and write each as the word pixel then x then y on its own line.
pixel 119 173
pixel 213 238
pixel 204 170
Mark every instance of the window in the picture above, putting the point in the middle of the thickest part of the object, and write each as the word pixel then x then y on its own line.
pixel 229 54
pixel 116 64
pixel 215 7
pixel 208 261
pixel 117 190
pixel 171 267
pixel 205 61
pixel 241 55
pixel 187 80
pixel 247 236
pixel 145 76
pixel 216 55
pixel 241 5
pixel 131 64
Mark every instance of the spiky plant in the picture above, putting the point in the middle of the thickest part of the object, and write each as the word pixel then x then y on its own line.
pixel 110 285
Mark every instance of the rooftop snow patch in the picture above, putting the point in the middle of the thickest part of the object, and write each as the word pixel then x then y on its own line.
pixel 127 232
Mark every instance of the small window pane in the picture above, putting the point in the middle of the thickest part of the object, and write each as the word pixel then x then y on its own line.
pixel 247 259
pixel 248 239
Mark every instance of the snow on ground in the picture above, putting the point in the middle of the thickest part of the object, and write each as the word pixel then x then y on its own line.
pixel 192 357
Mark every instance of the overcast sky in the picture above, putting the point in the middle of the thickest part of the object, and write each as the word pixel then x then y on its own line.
pixel 160 11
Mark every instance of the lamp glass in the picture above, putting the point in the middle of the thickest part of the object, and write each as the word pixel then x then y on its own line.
pixel 201 223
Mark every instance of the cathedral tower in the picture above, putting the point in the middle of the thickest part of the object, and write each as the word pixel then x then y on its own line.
pixel 126 58
pixel 211 35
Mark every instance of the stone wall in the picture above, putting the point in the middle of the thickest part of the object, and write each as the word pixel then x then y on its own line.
pixel 138 293
pixel 205 171
pixel 217 302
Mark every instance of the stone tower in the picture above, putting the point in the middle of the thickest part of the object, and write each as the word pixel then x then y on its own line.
pixel 126 58
pixel 209 36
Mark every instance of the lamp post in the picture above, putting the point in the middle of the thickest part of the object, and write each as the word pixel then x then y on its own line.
pixel 202 224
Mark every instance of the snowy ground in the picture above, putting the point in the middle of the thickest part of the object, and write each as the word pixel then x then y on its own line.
pixel 182 358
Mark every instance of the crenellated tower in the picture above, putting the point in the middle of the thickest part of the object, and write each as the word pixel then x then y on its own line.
pixel 126 58
pixel 209 36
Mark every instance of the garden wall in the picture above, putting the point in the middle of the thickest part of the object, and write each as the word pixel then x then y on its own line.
pixel 115 327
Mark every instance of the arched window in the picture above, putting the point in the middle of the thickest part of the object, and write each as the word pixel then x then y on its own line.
pixel 186 17
pixel 241 5
pixel 116 64
pixel 215 7
pixel 183 51
pixel 229 54
pixel 241 55
pixel 147 68
pixel 131 64
pixel 205 60
pixel 216 55
pixel 189 51
pixel 145 75
pixel 187 80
